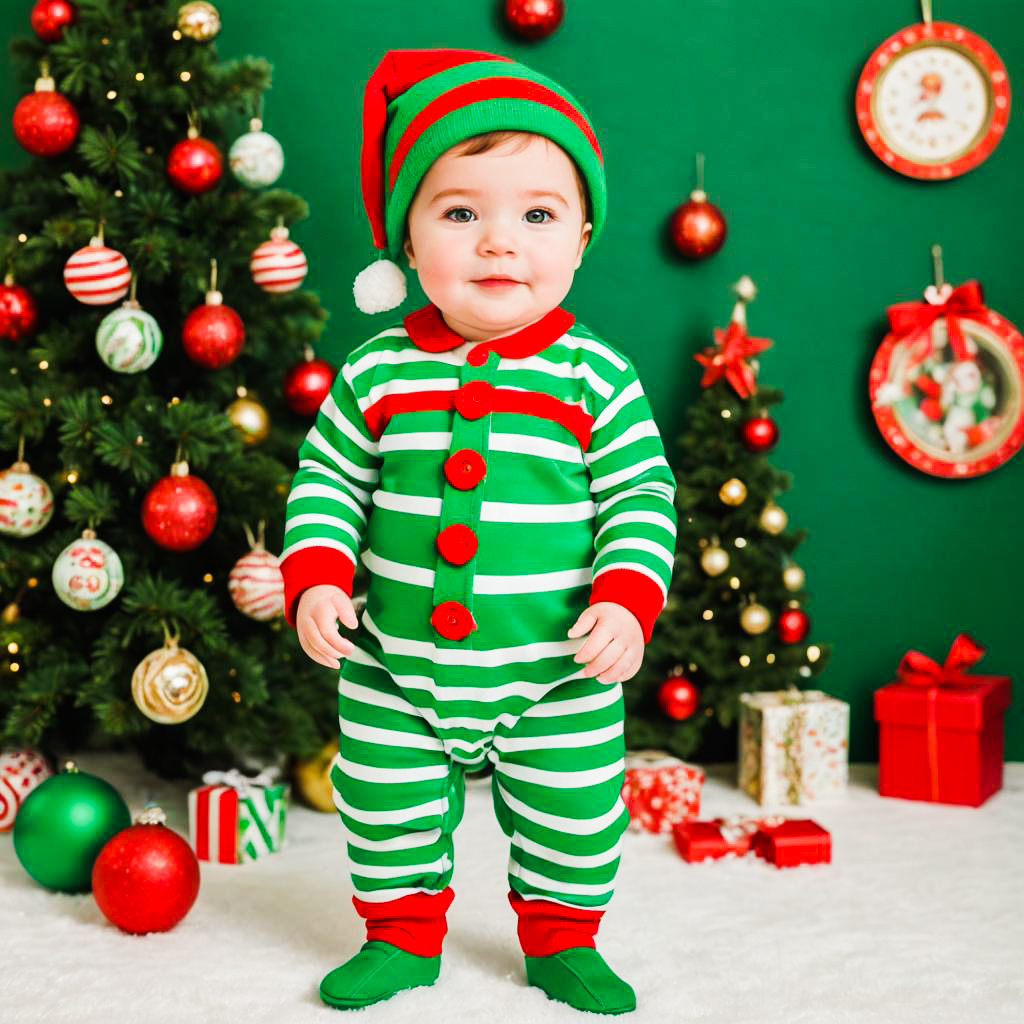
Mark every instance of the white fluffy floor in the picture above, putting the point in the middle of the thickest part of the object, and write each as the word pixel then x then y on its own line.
pixel 918 920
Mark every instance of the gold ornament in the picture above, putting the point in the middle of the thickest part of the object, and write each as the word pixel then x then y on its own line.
pixel 12 612
pixel 715 560
pixel 755 618
pixel 169 685
pixel 733 492
pixel 313 779
pixel 251 419
pixel 793 576
pixel 199 20
pixel 773 518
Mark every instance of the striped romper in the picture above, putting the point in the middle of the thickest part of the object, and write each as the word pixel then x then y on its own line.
pixel 498 489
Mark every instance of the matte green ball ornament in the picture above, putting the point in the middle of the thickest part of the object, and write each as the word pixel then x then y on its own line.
pixel 62 826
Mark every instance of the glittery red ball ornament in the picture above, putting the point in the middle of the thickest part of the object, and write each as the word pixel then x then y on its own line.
pixel 19 314
pixel 794 625
pixel 307 384
pixel 678 697
pixel 697 227
pixel 51 17
pixel 760 434
pixel 213 335
pixel 195 165
pixel 180 511
pixel 534 19
pixel 45 122
pixel 146 878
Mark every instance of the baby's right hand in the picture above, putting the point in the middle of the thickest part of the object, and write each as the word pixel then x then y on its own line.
pixel 316 622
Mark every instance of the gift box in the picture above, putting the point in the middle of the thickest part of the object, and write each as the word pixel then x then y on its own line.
pixel 787 844
pixel 941 729
pixel 235 818
pixel 793 746
pixel 660 790
pixel 704 840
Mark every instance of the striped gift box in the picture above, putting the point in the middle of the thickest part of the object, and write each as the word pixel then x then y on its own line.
pixel 234 824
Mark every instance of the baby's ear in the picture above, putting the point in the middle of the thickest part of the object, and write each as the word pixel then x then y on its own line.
pixel 584 242
pixel 407 246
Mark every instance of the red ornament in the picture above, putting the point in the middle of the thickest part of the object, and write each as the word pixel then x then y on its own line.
pixel 697 227
pixel 51 17
pixel 733 347
pixel 307 384
pixel 760 434
pixel 146 877
pixel 213 335
pixel 45 122
pixel 180 511
pixel 195 165
pixel 794 625
pixel 19 314
pixel 534 19
pixel 678 697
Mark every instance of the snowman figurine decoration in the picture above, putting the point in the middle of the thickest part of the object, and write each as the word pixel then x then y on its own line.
pixel 966 401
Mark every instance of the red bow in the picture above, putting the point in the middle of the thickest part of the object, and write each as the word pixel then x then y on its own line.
pixel 918 669
pixel 733 346
pixel 909 319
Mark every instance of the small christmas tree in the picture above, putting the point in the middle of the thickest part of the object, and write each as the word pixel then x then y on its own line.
pixel 734 619
pixel 103 403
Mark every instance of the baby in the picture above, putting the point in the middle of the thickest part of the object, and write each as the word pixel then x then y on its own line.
pixel 500 465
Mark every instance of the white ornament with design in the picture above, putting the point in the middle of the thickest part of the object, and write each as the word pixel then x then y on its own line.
pixel 97 275
pixel 257 586
pixel 88 574
pixel 20 772
pixel 129 339
pixel 256 158
pixel 278 265
pixel 26 501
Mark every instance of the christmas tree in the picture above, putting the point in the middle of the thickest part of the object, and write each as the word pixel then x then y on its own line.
pixel 140 608
pixel 734 619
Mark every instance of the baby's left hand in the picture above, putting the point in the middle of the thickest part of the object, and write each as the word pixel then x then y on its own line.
pixel 614 650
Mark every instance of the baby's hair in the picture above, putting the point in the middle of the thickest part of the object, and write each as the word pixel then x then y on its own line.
pixel 490 140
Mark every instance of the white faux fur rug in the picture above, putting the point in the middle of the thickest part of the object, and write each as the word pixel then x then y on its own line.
pixel 918 920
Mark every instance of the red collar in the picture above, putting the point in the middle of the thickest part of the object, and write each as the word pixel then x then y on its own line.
pixel 429 332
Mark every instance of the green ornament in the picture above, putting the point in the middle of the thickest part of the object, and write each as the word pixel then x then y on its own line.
pixel 62 826
pixel 129 339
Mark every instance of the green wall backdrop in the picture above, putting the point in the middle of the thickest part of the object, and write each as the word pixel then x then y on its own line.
pixel 895 559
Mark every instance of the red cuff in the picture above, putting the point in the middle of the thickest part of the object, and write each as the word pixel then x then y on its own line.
pixel 415 923
pixel 634 591
pixel 546 928
pixel 308 567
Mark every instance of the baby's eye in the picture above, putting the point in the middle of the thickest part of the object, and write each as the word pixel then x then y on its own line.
pixel 460 210
pixel 532 220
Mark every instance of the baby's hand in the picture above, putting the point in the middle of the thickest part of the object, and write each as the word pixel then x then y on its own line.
pixel 316 622
pixel 614 651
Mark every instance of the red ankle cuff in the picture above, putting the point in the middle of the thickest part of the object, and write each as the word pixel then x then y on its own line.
pixel 415 923
pixel 546 928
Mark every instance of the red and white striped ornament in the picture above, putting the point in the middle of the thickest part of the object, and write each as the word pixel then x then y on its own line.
pixel 20 772
pixel 96 274
pixel 256 583
pixel 278 265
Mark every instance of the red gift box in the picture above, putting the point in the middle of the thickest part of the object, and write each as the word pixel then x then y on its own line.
pixel 792 842
pixel 941 730
pixel 702 840
pixel 660 790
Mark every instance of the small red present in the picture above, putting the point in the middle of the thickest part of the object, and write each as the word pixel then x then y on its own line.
pixel 941 730
pixel 660 790
pixel 794 841
pixel 723 837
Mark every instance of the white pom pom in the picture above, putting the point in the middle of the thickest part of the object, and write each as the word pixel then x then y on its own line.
pixel 379 287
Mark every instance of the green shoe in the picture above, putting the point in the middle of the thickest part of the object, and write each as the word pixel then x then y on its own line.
pixel 581 978
pixel 375 973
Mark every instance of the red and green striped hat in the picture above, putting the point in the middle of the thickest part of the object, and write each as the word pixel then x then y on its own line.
pixel 420 103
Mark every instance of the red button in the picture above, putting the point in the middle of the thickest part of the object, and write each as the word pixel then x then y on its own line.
pixel 474 399
pixel 452 620
pixel 478 356
pixel 457 544
pixel 465 469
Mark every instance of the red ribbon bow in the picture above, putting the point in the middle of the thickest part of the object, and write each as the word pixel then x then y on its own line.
pixel 917 669
pixel 909 319
pixel 732 347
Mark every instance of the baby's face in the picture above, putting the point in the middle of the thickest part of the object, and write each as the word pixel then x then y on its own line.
pixel 516 214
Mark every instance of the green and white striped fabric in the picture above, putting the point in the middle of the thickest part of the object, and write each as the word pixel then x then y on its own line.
pixel 576 506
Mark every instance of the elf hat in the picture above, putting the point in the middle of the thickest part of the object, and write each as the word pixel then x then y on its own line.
pixel 420 103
